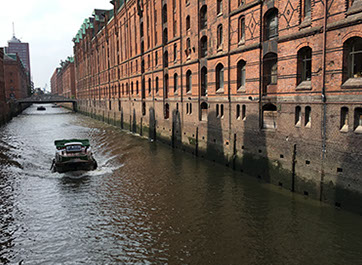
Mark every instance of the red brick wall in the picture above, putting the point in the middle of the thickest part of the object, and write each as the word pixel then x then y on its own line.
pixel 109 61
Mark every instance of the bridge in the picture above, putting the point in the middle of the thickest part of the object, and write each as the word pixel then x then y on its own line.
pixel 46 99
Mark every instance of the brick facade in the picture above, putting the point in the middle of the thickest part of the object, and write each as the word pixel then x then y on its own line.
pixel 62 81
pixel 17 84
pixel 270 88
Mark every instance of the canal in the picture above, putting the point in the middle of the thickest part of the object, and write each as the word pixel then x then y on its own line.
pixel 149 204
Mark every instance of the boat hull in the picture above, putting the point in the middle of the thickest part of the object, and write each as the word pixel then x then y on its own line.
pixel 74 165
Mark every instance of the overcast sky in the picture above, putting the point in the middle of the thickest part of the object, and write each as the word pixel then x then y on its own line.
pixel 48 27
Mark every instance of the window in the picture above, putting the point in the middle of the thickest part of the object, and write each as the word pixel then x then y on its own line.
pixel 156 58
pixel 165 86
pixel 217 110
pixel 219 36
pixel 270 66
pixel 165 36
pixel 175 83
pixel 141 29
pixel 132 88
pixel 307 8
pixel 241 29
pixel 237 111
pixel 219 77
pixel 149 86
pixel 204 81
pixel 219 7
pixel 271 24
pixel 304 66
pixel 344 119
pixel 241 75
pixel 308 118
pixel 165 59
pixel 175 52
pixel 190 110
pixel 222 110
pixel 298 116
pixel 164 14
pixel 204 111
pixel 188 23
pixel 241 2
pixel 269 116
pixel 188 48
pixel 203 17
pixel 358 120
pixel 166 111
pixel 156 84
pixel 188 81
pixel 243 113
pixel 203 47
pixel 352 58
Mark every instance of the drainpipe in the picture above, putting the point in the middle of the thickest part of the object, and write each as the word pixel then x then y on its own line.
pixel 324 99
pixel 261 66
pixel 229 66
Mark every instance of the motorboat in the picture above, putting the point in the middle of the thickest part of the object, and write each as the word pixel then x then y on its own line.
pixel 41 108
pixel 73 155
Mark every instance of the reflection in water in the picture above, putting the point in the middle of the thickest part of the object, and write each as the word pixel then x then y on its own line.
pixel 150 204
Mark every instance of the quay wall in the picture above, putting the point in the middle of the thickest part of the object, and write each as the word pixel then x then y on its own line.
pixel 289 157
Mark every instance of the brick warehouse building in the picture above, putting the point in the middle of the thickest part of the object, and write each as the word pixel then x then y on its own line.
pixel 270 88
pixel 17 82
pixel 62 81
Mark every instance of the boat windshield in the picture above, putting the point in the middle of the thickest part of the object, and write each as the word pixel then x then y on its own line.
pixel 73 148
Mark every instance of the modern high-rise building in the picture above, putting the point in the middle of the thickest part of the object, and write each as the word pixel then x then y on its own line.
pixel 22 49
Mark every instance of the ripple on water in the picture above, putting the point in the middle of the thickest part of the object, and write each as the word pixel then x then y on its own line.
pixel 148 204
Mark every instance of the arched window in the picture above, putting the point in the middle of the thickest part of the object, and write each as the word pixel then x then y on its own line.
pixel 298 116
pixel 219 36
pixel 307 8
pixel 217 110
pixel 188 48
pixel 203 17
pixel 165 36
pixel 165 59
pixel 203 46
pixel 175 52
pixel 188 23
pixel 352 58
pixel 241 29
pixel 149 86
pixel 164 14
pixel 204 111
pixel 241 75
pixel 358 120
pixel 188 81
pixel 219 7
pixel 132 88
pixel 204 81
pixel 165 86
pixel 237 111
pixel 243 113
pixel 156 85
pixel 308 117
pixel 137 90
pixel 271 24
pixel 122 89
pixel 219 77
pixel 304 70
pixel 141 29
pixel 344 119
pixel 175 83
